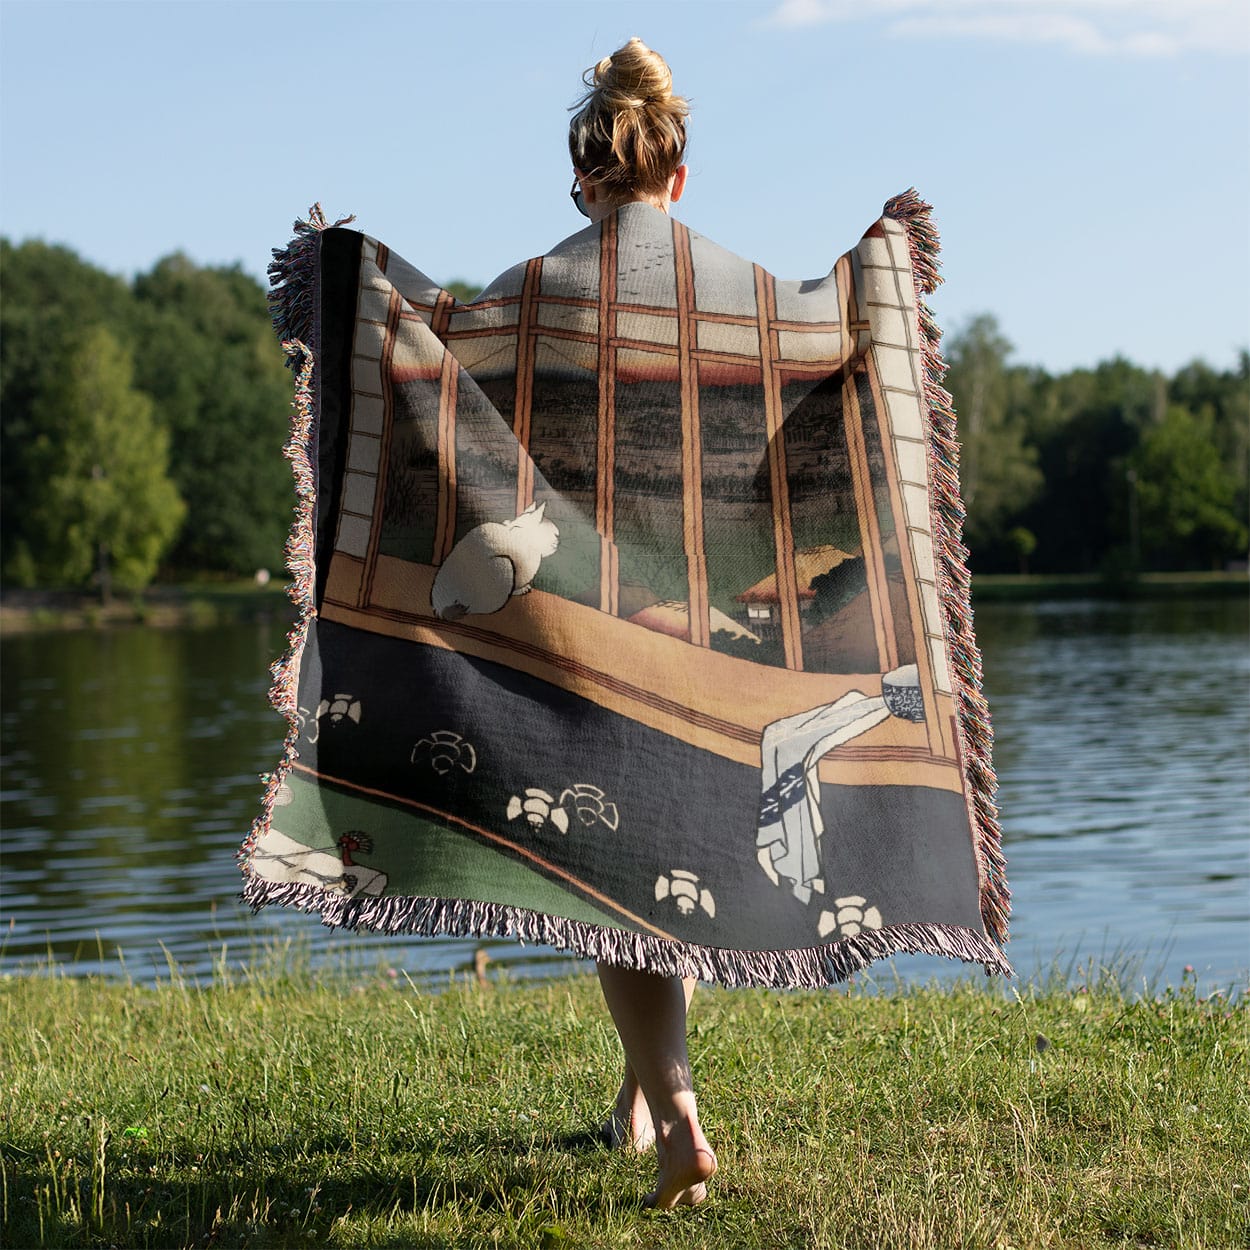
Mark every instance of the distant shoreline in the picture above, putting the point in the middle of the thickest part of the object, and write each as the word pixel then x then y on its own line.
pixel 1003 587
pixel 201 604
pixel 163 606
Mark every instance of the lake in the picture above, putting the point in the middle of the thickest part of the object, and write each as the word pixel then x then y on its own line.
pixel 130 761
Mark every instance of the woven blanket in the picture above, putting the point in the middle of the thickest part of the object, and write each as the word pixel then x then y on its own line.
pixel 634 618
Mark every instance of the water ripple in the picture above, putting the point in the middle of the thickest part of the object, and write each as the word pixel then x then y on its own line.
pixel 1121 734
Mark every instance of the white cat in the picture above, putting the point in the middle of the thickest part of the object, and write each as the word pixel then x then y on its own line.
pixel 493 562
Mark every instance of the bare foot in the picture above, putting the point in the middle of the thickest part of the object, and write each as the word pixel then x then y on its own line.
pixel 629 1125
pixel 686 1165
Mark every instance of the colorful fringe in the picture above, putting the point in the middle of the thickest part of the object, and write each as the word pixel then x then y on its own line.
pixel 812 968
pixel 294 297
pixel 955 583
pixel 294 304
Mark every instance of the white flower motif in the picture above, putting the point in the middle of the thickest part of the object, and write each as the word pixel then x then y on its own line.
pixel 590 804
pixel 538 807
pixel 850 918
pixel 446 750
pixel 341 707
pixel 683 888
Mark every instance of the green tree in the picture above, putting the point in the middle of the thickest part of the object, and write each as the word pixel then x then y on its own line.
pixel 1186 495
pixel 464 291
pixel 104 505
pixel 1085 428
pixel 1024 543
pixel 50 296
pixel 997 466
pixel 207 356
pixel 1221 397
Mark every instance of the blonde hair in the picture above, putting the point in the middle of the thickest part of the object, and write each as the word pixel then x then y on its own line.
pixel 629 131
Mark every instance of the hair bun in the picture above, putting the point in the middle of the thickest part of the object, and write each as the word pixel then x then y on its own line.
pixel 629 130
pixel 634 76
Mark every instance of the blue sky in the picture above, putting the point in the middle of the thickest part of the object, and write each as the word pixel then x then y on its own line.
pixel 1089 160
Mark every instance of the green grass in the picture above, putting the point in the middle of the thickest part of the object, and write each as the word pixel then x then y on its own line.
pixel 287 1109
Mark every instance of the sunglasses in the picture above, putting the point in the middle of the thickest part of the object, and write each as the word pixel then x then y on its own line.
pixel 578 199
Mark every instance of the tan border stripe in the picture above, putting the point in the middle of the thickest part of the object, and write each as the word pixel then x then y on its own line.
pixel 445 528
pixel 783 365
pixel 524 396
pixel 490 332
pixel 393 308
pixel 605 458
pixel 448 382
pixel 571 301
pixel 844 281
pixel 851 310
pixel 343 579
pixel 699 614
pixel 869 527
pixel 441 315
pixel 939 742
pixel 783 533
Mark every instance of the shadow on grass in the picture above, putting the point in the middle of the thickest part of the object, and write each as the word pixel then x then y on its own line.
pixel 267 1196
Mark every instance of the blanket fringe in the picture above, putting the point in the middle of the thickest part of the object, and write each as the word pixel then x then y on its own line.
pixel 810 968
pixel 294 300
pixel 300 547
pixel 954 581
pixel 293 294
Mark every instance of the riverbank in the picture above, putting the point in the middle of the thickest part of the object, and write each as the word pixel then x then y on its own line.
pixel 214 603
pixel 284 1110
pixel 165 606
pixel 1014 587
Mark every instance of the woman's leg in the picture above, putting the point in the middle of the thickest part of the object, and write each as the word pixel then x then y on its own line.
pixel 650 1015
pixel 629 1123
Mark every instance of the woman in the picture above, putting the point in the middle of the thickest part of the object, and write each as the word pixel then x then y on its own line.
pixel 628 141
pixel 633 614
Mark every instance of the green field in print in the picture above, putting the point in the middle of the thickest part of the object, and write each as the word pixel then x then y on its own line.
pixel 425 856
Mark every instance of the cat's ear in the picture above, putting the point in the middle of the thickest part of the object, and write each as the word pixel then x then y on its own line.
pixel 537 509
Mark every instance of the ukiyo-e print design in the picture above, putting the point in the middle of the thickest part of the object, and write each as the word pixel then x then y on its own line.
pixel 633 621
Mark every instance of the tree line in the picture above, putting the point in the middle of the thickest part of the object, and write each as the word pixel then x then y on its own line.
pixel 1113 470
pixel 142 423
